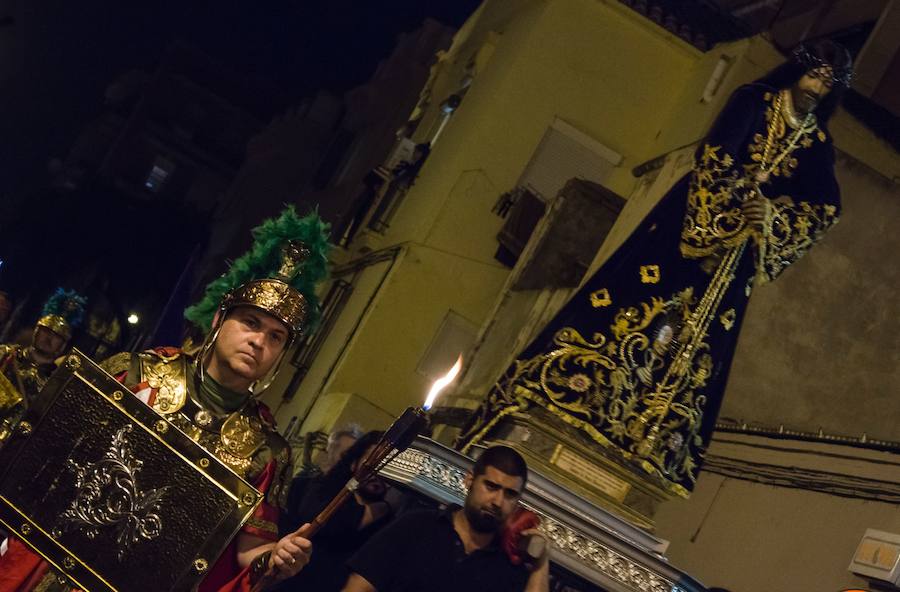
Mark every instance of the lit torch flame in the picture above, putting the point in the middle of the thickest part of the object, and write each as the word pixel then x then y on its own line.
pixel 442 382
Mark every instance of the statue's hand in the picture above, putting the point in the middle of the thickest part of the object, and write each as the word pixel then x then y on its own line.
pixel 757 211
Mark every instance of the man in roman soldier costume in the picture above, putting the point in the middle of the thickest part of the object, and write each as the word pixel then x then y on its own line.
pixel 252 315
pixel 638 359
pixel 25 370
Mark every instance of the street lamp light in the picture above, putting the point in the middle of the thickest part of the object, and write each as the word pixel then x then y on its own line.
pixel 133 319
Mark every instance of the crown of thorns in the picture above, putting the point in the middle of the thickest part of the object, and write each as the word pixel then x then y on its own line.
pixel 810 61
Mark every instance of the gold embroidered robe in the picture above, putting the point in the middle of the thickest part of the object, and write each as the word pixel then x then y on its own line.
pixel 639 358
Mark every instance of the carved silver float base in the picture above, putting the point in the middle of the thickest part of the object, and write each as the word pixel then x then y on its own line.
pixel 585 539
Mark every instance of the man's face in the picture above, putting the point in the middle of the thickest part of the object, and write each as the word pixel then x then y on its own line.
pixel 338 447
pixel 48 343
pixel 250 342
pixel 812 87
pixel 492 498
pixel 373 489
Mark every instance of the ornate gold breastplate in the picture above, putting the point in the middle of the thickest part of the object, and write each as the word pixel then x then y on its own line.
pixel 234 438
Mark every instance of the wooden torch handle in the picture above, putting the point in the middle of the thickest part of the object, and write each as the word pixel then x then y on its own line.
pixel 318 522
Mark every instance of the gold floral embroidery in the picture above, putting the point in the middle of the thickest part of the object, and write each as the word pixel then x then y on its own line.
pixel 600 298
pixel 639 387
pixel 639 392
pixel 713 217
pixel 579 383
pixel 794 229
pixel 629 320
pixel 786 167
pixel 615 398
pixel 650 274
pixel 727 319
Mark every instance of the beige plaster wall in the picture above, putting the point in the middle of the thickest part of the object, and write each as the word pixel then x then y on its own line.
pixel 549 61
pixel 820 346
pixel 753 537
pixel 380 362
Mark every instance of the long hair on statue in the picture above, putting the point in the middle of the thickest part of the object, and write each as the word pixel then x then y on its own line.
pixel 788 73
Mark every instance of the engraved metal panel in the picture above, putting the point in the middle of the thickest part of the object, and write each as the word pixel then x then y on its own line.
pixel 113 495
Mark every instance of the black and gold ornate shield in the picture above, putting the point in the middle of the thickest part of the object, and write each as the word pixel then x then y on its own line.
pixel 113 495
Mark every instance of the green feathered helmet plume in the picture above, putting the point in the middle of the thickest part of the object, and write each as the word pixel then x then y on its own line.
pixel 278 274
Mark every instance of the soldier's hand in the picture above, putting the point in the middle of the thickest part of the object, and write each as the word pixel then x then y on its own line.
pixel 756 212
pixel 291 553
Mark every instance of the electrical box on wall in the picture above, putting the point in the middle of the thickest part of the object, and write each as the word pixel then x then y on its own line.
pixel 877 557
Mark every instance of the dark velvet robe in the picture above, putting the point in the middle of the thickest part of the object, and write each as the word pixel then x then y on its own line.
pixel 638 359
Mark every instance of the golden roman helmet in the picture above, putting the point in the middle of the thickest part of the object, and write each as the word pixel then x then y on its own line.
pixel 57 324
pixel 278 275
pixel 63 311
pixel 276 295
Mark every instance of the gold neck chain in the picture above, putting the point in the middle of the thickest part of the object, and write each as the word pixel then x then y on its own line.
pixel 788 112
pixel 779 115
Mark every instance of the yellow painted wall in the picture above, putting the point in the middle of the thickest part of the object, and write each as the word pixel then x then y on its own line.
pixel 596 64
pixel 381 363
pixel 341 409
pixel 546 59
pixel 365 283
pixel 465 163
pixel 555 59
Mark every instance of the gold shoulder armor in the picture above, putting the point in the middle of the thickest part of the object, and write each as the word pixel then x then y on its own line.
pixel 167 373
pixel 117 363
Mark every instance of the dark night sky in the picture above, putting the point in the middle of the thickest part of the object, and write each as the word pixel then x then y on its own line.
pixel 58 57
pixel 62 54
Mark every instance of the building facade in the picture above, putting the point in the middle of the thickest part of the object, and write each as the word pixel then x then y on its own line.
pixel 468 260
